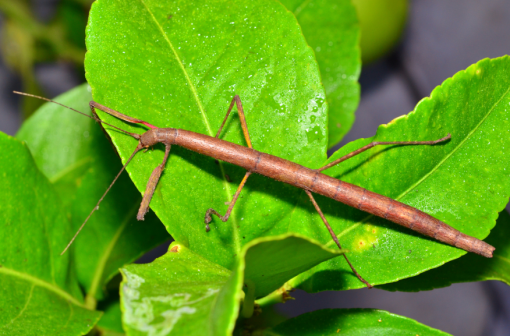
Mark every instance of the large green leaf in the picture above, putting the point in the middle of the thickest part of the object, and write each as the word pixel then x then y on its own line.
pixel 468 268
pixel 74 154
pixel 178 64
pixel 182 293
pixel 331 28
pixel 463 182
pixel 39 288
pixel 164 69
pixel 352 322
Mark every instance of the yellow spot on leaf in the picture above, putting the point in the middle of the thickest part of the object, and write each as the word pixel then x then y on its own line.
pixel 366 240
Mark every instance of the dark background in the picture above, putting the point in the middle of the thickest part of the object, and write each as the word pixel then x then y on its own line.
pixel 441 38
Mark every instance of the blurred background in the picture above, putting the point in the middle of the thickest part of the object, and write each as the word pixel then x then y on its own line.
pixel 408 48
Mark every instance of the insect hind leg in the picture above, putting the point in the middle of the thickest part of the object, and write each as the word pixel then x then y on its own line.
pixel 335 239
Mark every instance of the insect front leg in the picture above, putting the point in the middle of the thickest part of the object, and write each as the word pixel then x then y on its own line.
pixel 151 186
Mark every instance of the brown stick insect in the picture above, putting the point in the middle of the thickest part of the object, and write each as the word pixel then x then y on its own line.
pixel 310 180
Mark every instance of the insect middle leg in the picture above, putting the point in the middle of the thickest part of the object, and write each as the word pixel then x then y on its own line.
pixel 208 218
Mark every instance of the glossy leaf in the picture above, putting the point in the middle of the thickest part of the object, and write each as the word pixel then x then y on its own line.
pixel 332 30
pixel 271 261
pixel 182 293
pixel 178 64
pixel 351 322
pixel 464 182
pixel 39 288
pixel 74 154
pixel 468 106
pixel 468 268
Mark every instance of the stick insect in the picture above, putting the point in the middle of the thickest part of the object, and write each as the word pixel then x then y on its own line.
pixel 310 180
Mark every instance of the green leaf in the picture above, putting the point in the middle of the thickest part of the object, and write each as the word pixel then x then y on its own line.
pixel 382 23
pixel 271 261
pixel 62 141
pixel 74 154
pixel 182 293
pixel 332 30
pixel 39 289
pixel 178 64
pixel 111 321
pixel 463 182
pixel 143 73
pixel 468 268
pixel 351 322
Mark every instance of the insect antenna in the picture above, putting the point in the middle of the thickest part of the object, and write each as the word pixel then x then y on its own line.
pixel 134 135
pixel 101 199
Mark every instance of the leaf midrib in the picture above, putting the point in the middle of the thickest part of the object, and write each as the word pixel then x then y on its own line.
pixel 233 218
pixel 41 283
pixel 99 270
pixel 69 169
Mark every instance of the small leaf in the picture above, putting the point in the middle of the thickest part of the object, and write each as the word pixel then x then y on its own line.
pixel 332 30
pixel 271 261
pixel 463 182
pixel 39 289
pixel 179 64
pixel 76 157
pixel 352 322
pixel 110 323
pixel 468 268
pixel 182 293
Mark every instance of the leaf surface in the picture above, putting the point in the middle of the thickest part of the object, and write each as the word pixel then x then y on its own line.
pixel 468 268
pixel 179 64
pixel 464 182
pixel 39 288
pixel 74 154
pixel 271 261
pixel 332 30
pixel 182 293
pixel 351 322
pixel 135 66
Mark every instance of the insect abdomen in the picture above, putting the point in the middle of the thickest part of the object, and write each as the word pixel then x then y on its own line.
pixel 408 217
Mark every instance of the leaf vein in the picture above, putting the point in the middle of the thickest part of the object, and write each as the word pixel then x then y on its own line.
pixel 41 283
pixel 23 309
pixel 98 273
pixel 206 121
